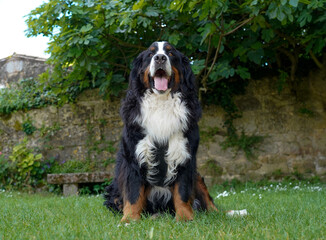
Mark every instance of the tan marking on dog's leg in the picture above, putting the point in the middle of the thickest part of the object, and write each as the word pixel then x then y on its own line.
pixel 131 212
pixel 201 186
pixel 183 210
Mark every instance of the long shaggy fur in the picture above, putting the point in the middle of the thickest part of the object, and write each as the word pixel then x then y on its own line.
pixel 156 163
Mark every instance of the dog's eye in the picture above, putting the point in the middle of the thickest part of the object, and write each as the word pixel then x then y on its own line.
pixel 170 54
pixel 151 55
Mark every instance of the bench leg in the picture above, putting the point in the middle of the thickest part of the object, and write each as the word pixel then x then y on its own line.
pixel 70 189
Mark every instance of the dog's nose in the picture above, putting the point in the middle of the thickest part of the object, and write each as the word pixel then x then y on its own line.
pixel 160 58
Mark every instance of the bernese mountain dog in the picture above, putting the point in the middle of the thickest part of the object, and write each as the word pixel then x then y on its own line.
pixel 156 162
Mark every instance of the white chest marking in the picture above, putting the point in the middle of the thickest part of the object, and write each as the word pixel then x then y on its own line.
pixel 163 116
pixel 164 119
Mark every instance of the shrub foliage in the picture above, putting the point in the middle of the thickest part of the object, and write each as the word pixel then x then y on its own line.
pixel 23 168
pixel 94 41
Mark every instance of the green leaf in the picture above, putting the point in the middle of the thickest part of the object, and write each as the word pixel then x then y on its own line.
pixel 272 10
pixel 280 15
pixel 198 65
pixel 222 70
pixel 261 21
pixel 174 38
pixel 294 3
pixel 138 5
pixel 257 45
pixel 268 34
pixel 86 28
pixel 240 51
pixel 207 30
pixel 152 12
pixel 256 55
pixel 243 72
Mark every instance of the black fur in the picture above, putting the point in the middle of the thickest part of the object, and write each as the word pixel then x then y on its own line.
pixel 129 176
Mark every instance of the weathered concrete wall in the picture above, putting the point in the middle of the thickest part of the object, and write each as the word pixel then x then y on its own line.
pixel 17 67
pixel 294 130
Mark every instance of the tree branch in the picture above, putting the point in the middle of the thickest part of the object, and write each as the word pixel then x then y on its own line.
pixel 315 59
pixel 239 26
pixel 213 63
pixel 222 34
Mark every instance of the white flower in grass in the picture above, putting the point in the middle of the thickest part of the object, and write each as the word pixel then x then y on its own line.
pixel 316 188
pixel 223 194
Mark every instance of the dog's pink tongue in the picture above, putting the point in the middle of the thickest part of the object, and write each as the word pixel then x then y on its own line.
pixel 161 83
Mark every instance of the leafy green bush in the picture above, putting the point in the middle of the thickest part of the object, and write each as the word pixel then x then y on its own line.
pixel 93 42
pixel 26 163
pixel 23 168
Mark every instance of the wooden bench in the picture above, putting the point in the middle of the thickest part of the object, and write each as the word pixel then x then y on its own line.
pixel 70 181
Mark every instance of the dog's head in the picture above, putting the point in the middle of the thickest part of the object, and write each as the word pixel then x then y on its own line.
pixel 162 69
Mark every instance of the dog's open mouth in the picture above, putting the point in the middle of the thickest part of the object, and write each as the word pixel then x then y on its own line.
pixel 161 80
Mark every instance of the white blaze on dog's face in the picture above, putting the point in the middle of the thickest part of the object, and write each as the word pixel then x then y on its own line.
pixel 160 68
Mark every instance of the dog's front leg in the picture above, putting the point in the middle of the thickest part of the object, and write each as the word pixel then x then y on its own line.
pixel 182 204
pixel 133 206
pixel 133 192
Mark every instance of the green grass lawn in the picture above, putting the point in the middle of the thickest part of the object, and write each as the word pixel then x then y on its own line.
pixel 277 211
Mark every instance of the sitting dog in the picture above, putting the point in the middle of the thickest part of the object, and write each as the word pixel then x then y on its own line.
pixel 156 163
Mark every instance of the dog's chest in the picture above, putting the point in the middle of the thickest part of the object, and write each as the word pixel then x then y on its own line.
pixel 162 115
pixel 164 147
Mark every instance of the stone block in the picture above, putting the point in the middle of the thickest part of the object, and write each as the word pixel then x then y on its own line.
pixel 70 189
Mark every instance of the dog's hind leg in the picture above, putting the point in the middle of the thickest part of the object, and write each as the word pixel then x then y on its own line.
pixel 202 196
pixel 112 197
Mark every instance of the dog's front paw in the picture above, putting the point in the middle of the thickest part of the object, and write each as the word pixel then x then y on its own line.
pixel 127 218
pixel 184 214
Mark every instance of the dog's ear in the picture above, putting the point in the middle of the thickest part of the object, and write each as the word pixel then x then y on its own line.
pixel 136 74
pixel 136 66
pixel 187 74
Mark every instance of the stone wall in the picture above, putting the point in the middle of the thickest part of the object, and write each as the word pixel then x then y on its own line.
pixel 88 129
pixel 294 130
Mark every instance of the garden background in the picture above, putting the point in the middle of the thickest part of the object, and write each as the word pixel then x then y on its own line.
pixel 260 71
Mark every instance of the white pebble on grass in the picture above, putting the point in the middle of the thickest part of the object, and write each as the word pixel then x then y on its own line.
pixel 240 213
